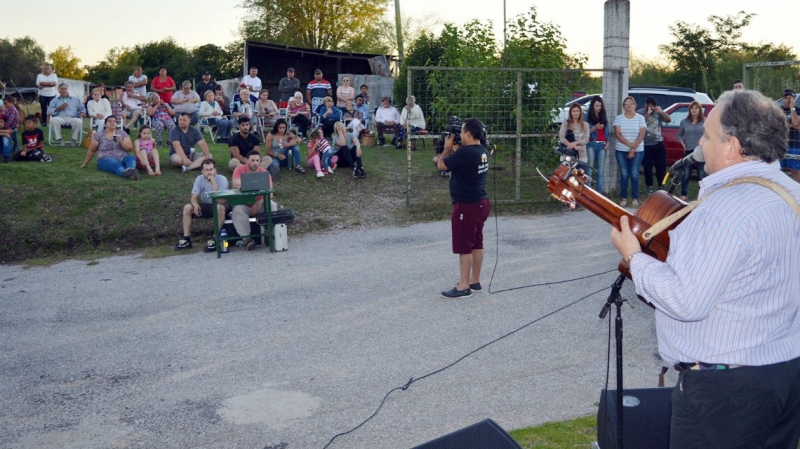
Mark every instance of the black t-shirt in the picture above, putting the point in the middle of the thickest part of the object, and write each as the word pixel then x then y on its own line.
pixel 468 167
pixel 32 138
pixel 245 145
pixel 203 87
pixel 794 133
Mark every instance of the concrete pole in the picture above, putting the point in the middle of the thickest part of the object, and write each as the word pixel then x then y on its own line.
pixel 616 50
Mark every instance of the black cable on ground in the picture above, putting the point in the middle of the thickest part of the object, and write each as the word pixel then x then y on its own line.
pixel 413 380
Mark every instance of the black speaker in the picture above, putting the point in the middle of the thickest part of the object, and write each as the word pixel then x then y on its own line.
pixel 645 418
pixel 482 435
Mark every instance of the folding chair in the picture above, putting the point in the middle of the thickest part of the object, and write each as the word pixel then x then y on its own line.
pixel 51 131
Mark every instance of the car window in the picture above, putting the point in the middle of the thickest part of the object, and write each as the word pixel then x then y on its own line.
pixel 677 115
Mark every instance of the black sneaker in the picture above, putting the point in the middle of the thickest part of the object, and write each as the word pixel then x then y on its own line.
pixel 476 287
pixel 250 244
pixel 381 142
pixel 211 246
pixel 47 158
pixel 361 174
pixel 456 293
pixel 128 173
pixel 183 243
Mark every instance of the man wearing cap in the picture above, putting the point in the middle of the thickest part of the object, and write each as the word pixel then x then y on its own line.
pixel 288 86
pixel 205 85
pixel 387 119
pixel 791 111
pixel 655 153
pixel 317 90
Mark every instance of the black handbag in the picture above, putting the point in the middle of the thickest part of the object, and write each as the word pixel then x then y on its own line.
pixel 282 216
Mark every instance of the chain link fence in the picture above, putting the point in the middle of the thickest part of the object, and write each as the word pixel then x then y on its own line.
pixel 522 110
pixel 772 78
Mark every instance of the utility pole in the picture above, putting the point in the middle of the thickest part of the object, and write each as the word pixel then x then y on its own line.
pixel 399 32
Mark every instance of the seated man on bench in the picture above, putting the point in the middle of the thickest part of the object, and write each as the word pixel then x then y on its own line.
pixel 200 203
pixel 241 213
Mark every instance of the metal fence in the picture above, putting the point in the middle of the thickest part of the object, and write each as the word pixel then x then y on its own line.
pixel 772 78
pixel 522 110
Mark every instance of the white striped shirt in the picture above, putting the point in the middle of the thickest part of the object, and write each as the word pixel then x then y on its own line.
pixel 730 289
pixel 629 128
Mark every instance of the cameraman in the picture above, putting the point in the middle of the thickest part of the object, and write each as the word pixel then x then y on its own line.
pixel 468 167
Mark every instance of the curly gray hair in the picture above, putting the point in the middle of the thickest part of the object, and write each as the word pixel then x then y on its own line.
pixel 756 121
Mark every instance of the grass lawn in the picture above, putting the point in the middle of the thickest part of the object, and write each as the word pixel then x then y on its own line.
pixel 577 433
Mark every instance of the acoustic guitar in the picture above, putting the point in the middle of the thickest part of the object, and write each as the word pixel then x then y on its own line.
pixel 569 185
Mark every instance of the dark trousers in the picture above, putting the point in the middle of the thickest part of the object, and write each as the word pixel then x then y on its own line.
pixel 384 128
pixel 44 102
pixel 347 157
pixel 655 154
pixel 747 407
pixel 302 122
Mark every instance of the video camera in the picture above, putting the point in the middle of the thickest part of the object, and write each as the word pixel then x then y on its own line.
pixel 453 127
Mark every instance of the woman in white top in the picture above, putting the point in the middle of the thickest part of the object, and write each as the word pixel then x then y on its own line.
pixel 629 129
pixel 580 130
pixel 46 82
pixel 212 113
pixel 412 121
pixel 98 109
pixel 345 92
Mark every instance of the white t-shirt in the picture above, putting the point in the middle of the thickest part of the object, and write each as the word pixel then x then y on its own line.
pixel 629 128
pixel 48 91
pixel 253 83
pixel 141 90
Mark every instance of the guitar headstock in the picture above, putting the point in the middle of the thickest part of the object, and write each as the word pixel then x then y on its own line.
pixel 568 182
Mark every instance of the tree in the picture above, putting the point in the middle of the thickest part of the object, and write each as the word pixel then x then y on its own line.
pixel 20 61
pixel 67 65
pixel 649 72
pixel 329 25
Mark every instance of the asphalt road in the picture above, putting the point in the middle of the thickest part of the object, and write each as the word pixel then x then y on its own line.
pixel 258 349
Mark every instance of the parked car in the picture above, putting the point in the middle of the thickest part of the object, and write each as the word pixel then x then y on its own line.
pixel 669 131
pixel 666 97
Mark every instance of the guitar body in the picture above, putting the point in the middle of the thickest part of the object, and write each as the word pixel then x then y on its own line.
pixel 567 185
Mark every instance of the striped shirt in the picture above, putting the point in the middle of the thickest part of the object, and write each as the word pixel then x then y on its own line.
pixel 323 146
pixel 729 291
pixel 629 128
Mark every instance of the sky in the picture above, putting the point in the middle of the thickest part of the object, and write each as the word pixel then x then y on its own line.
pixel 91 31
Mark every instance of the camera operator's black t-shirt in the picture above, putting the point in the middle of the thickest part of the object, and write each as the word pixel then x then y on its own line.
pixel 468 167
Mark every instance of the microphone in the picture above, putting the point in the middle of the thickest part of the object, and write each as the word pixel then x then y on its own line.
pixel 695 156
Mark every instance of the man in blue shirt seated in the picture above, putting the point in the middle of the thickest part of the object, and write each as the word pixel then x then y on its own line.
pixel 65 110
pixel 727 298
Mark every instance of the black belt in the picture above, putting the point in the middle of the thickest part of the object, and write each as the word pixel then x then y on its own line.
pixel 684 366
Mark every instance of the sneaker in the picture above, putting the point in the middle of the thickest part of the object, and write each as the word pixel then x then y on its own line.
pixel 129 173
pixel 635 203
pixel 443 174
pixel 649 191
pixel 250 244
pixel 211 246
pixel 60 143
pixel 330 170
pixel 381 142
pixel 320 174
pixel 75 143
pixel 136 176
pixel 183 243
pixel 47 158
pixel 355 172
pixel 361 173
pixel 300 170
pixel 184 169
pixel 476 287
pixel 456 293
pixel 624 202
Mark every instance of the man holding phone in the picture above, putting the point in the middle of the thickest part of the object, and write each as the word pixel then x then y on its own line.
pixel 655 153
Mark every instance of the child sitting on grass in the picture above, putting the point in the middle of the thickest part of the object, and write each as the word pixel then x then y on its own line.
pixel 146 152
pixel 320 149
pixel 32 143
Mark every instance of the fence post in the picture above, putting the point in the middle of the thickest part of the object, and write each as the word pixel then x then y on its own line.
pixel 409 86
pixel 518 163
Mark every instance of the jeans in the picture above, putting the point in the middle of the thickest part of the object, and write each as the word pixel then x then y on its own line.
pixel 687 173
pixel 223 127
pixel 7 146
pixel 596 152
pixel 629 171
pixel 285 163
pixel 116 166
pixel 326 158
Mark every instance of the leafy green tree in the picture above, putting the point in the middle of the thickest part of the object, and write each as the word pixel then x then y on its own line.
pixel 649 72
pixel 67 65
pixel 329 25
pixel 20 61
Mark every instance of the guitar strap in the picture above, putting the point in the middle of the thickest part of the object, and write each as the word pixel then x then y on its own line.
pixel 669 220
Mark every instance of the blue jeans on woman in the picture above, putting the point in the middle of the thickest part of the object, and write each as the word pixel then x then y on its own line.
pixel 629 171
pixel 285 163
pixel 223 127
pixel 116 166
pixel 8 145
pixel 687 174
pixel 596 152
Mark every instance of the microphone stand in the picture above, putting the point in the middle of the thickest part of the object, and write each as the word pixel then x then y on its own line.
pixel 616 299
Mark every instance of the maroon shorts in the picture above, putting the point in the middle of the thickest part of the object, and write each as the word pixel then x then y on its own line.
pixel 150 161
pixel 467 222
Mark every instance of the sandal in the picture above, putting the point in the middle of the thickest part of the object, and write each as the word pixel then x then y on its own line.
pixel 300 170
pixel 158 172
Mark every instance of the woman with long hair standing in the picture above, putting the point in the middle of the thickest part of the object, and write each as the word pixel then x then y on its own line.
pixel 629 129
pixel 596 148
pixel 689 136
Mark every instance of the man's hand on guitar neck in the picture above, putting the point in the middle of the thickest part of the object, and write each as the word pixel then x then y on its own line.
pixel 624 240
